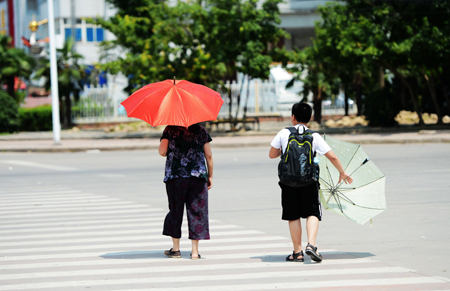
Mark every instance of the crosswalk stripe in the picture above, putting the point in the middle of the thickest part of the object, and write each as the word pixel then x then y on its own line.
pixel 30 213
pixel 89 216
pixel 231 277
pixel 38 165
pixel 43 204
pixel 32 194
pixel 9 252
pixel 100 233
pixel 307 285
pixel 163 259
pixel 214 234
pixel 142 208
pixel 196 268
pixel 86 206
pixel 60 200
pixel 43 226
pixel 74 227
pixel 102 254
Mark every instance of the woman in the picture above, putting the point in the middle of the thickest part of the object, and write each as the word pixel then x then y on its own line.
pixel 187 180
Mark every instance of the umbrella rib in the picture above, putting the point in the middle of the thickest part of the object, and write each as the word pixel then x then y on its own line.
pixel 354 154
pixel 344 197
pixel 353 188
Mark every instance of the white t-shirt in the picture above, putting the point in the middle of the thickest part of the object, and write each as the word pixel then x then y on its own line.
pixel 319 145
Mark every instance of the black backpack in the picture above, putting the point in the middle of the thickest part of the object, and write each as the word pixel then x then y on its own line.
pixel 297 167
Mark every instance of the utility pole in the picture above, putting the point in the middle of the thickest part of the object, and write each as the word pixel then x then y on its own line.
pixel 73 21
pixel 53 75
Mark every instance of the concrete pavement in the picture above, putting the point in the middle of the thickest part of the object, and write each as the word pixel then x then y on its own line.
pixel 98 140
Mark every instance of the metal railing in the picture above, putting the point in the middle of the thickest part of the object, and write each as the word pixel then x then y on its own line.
pixel 96 105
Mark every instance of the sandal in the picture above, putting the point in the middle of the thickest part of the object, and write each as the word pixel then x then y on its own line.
pixel 312 252
pixel 173 254
pixel 197 258
pixel 295 257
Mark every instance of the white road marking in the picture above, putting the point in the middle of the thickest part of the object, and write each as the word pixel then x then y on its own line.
pixel 119 254
pixel 162 259
pixel 195 268
pixel 213 232
pixel 308 285
pixel 38 165
pixel 241 276
pixel 145 244
pixel 98 233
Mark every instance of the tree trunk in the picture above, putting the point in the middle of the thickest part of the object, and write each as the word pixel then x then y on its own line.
pixel 432 89
pixel 246 100
pixel 413 99
pixel 381 76
pixel 317 104
pixel 10 89
pixel 411 93
pixel 68 105
pixel 447 99
pixel 346 99
pixel 358 94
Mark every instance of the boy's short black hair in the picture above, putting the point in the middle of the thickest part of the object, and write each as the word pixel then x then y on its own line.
pixel 302 112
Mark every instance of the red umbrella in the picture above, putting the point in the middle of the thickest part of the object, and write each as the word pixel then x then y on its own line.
pixel 173 102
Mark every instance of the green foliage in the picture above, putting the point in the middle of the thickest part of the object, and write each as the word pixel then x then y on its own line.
pixel 9 116
pixel 36 119
pixel 13 63
pixel 205 42
pixel 362 41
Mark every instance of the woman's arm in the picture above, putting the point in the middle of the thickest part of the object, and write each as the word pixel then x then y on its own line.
pixel 343 176
pixel 209 163
pixel 163 145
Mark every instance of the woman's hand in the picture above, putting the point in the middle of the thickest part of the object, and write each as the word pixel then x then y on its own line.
pixel 209 182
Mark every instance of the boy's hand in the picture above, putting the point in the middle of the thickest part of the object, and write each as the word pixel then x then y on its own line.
pixel 345 177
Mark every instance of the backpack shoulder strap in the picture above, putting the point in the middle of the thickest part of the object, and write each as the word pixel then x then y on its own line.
pixel 292 129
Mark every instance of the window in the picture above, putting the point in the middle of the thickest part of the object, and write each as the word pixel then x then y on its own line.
pixel 85 32
pixel 32 5
pixel 68 33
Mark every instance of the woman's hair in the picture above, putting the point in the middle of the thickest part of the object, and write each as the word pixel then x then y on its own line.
pixel 302 112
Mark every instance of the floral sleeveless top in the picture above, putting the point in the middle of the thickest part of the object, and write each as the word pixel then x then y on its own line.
pixel 185 154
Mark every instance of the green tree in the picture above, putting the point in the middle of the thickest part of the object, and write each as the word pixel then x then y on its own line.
pixel 70 75
pixel 206 42
pixel 13 63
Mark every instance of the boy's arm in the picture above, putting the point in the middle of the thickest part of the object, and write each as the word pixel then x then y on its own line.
pixel 337 164
pixel 274 153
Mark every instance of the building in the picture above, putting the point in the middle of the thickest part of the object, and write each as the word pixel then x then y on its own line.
pixel 298 18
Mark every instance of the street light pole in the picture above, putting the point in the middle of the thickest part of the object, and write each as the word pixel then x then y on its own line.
pixel 53 74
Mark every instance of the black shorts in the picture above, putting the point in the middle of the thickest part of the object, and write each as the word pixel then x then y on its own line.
pixel 300 202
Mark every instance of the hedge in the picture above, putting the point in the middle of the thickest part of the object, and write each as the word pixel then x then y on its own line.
pixel 35 119
pixel 9 116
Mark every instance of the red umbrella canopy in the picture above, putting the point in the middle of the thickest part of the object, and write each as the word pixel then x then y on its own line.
pixel 171 102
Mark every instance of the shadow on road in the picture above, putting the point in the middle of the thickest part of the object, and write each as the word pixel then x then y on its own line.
pixel 133 255
pixel 332 255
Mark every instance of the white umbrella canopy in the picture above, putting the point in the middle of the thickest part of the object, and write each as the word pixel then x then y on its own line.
pixel 365 197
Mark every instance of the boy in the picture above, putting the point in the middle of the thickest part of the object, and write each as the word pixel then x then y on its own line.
pixel 303 202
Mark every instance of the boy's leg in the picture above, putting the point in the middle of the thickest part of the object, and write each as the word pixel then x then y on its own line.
pixel 295 228
pixel 312 227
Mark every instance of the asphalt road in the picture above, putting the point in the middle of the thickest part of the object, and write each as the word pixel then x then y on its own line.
pixel 412 233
